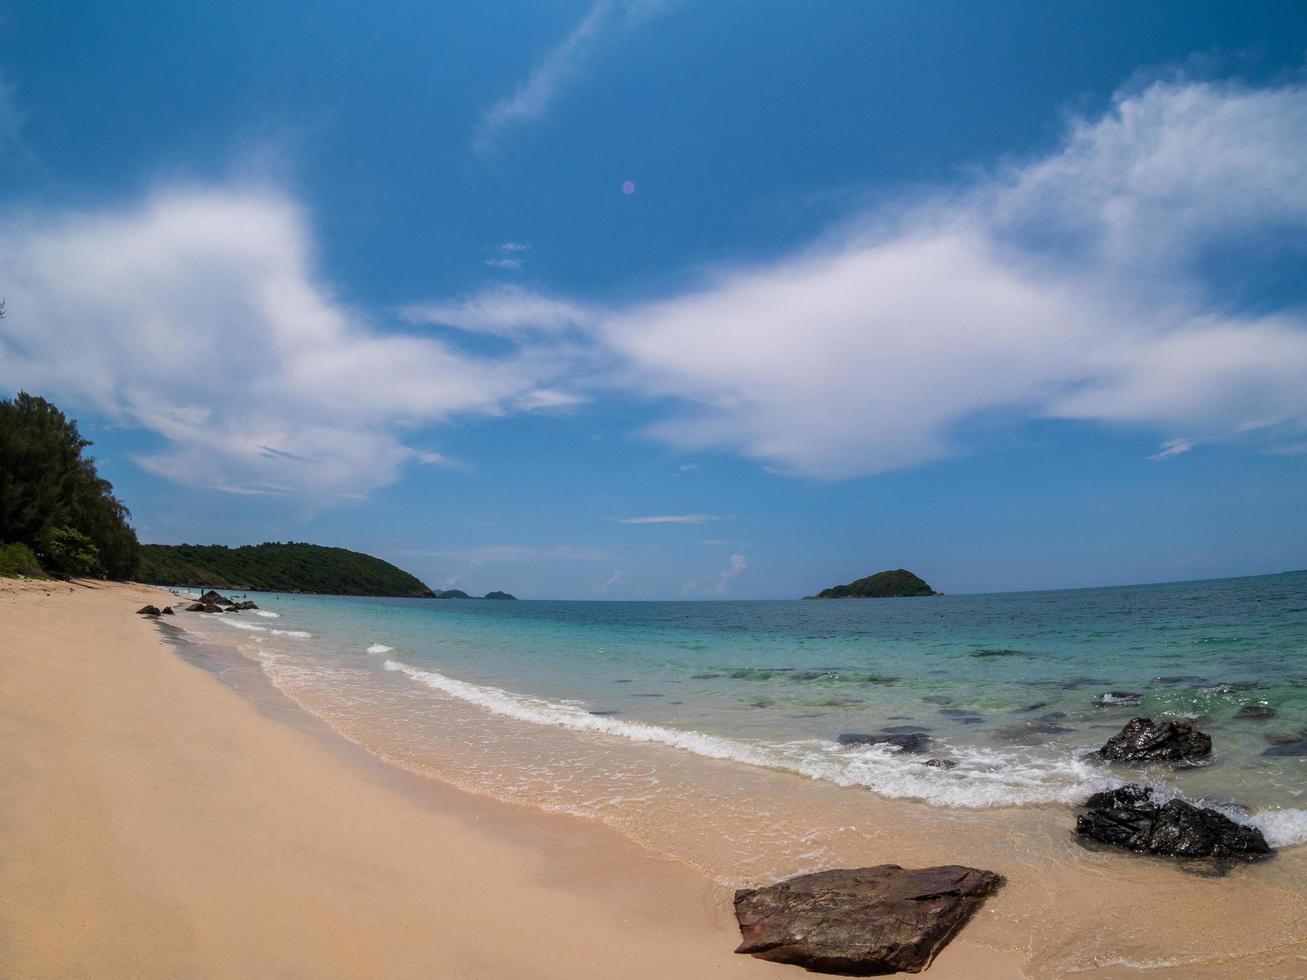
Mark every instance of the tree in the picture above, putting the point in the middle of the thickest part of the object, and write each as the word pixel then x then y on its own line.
pixel 47 484
pixel 69 551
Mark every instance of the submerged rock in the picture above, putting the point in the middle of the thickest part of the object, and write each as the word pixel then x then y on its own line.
pixel 148 611
pixel 1119 699
pixel 940 763
pixel 1129 817
pixel 1298 748
pixel 1031 731
pixel 907 742
pixel 862 921
pixel 1143 740
pixel 1256 712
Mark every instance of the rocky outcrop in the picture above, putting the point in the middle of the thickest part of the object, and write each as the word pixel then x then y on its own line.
pixel 148 611
pixel 247 604
pixel 1131 818
pixel 1143 740
pixel 167 611
pixel 862 921
pixel 890 584
pixel 215 599
pixel 196 607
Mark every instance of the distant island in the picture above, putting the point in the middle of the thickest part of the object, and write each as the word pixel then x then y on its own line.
pixel 890 584
pixel 460 594
pixel 276 567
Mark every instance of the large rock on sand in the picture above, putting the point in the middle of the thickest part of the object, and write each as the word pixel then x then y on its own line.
pixel 864 921
pixel 1129 817
pixel 1143 740
pixel 148 611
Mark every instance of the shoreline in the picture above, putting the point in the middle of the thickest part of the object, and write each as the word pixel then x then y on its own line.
pixel 155 823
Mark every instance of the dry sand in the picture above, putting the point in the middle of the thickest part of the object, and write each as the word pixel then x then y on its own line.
pixel 155 824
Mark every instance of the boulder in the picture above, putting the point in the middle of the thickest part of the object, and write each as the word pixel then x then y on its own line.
pixel 247 604
pixel 195 607
pixel 1129 817
pixel 167 611
pixel 148 611
pixel 1143 740
pixel 940 763
pixel 862 921
pixel 215 598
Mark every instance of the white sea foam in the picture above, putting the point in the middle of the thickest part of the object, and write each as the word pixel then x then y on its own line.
pixel 298 634
pixel 379 648
pixel 266 613
pixel 1280 827
pixel 983 777
pixel 242 625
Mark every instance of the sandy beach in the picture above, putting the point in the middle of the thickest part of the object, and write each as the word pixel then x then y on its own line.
pixel 154 823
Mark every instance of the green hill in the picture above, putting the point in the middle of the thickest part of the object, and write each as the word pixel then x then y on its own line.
pixel 274 567
pixel 892 584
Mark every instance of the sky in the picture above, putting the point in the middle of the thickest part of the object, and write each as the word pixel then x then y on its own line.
pixel 647 299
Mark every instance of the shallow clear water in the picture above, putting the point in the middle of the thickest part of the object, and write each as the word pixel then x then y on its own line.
pixel 593 707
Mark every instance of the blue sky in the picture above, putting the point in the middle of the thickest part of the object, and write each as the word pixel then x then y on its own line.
pixel 657 299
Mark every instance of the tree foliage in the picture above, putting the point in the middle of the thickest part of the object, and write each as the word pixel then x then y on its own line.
pixel 48 487
pixel 276 567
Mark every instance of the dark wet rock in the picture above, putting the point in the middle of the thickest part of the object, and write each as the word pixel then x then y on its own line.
pixel 940 763
pixel 1290 749
pixel 167 611
pixel 1119 699
pixel 937 699
pixel 1256 712
pixel 247 604
pixel 1131 818
pixel 863 921
pixel 148 611
pixel 906 742
pixel 904 729
pixel 215 598
pixel 1144 740
pixel 195 607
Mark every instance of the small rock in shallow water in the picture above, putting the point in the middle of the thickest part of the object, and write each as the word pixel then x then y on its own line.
pixel 1143 740
pixel 1129 817
pixel 864 921
pixel 940 763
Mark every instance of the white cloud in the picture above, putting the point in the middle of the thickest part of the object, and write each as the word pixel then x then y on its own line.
pixel 668 519
pixel 504 263
pixel 1173 447
pixel 198 317
pixel 721 584
pixel 503 311
pixel 1067 287
pixel 560 66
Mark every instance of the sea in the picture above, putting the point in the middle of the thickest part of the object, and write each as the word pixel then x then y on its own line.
pixel 710 732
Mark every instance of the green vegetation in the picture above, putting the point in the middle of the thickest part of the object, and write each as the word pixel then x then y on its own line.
pixel 18 559
pixel 276 567
pixel 52 500
pixel 896 583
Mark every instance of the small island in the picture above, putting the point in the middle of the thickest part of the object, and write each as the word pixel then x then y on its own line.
pixel 460 594
pixel 894 583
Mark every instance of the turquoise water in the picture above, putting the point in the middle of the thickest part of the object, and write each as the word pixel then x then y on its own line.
pixel 586 705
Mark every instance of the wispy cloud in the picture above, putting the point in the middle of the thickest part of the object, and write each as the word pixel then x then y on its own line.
pixel 560 66
pixel 508 255
pixel 504 311
pixel 668 519
pixel 1173 447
